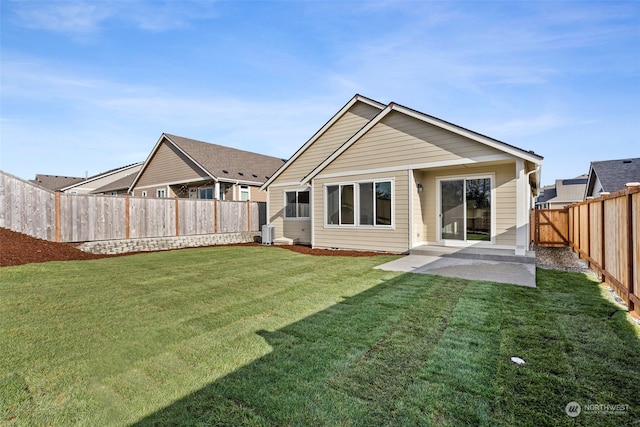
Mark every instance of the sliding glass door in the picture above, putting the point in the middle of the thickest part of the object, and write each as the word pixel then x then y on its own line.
pixel 465 209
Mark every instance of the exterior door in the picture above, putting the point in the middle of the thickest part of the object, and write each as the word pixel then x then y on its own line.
pixel 465 209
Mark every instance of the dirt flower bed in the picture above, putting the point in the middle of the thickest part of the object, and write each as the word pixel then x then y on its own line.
pixel 18 249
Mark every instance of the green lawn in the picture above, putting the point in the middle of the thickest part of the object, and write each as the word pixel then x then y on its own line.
pixel 265 336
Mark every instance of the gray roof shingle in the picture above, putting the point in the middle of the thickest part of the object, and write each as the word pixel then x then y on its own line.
pixel 614 174
pixel 55 182
pixel 226 162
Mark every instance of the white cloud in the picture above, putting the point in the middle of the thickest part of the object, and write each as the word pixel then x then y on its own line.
pixel 86 16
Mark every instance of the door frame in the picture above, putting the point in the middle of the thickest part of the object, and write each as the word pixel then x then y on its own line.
pixel 449 242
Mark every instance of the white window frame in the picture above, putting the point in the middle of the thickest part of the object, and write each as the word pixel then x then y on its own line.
pixel 492 177
pixel 144 193
pixel 245 189
pixel 356 204
pixel 294 218
pixel 161 193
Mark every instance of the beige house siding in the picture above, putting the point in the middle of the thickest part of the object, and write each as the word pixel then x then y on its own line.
pixel 394 239
pixel 256 195
pixel 399 140
pixel 504 203
pixel 168 165
pixel 292 228
pixel 352 121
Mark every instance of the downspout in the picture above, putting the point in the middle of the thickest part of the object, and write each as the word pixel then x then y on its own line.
pixel 531 203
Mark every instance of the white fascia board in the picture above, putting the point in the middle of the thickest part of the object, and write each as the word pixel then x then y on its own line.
pixel 320 132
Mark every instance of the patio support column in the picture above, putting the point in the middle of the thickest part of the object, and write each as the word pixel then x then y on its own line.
pixel 216 190
pixel 522 194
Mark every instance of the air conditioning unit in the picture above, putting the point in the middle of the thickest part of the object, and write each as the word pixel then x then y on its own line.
pixel 268 234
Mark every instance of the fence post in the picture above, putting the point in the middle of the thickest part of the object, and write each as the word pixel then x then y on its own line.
pixel 248 216
pixel 630 286
pixel 177 218
pixel 57 213
pixel 215 216
pixel 127 217
pixel 602 242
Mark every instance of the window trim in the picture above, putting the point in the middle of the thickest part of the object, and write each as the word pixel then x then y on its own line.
pixel 296 218
pixel 357 213
pixel 164 193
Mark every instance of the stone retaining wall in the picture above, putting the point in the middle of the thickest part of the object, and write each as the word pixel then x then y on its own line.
pixel 112 247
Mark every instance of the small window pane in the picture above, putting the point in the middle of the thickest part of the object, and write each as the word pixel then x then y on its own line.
pixel 366 203
pixel 346 205
pixel 333 203
pixel 383 203
pixel 206 193
pixel 244 193
pixel 303 204
pixel 290 207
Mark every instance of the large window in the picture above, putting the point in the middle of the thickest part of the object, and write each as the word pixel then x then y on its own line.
pixel 359 204
pixel 465 209
pixel 296 204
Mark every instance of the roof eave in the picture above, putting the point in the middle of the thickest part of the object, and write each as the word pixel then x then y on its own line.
pixel 320 132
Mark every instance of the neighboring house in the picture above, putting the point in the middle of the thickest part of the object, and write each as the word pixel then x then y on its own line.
pixel 55 182
pixel 389 178
pixel 119 187
pixel 611 176
pixel 562 194
pixel 89 185
pixel 186 168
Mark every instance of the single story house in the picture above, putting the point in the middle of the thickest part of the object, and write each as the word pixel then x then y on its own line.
pixel 562 193
pixel 88 185
pixel 187 168
pixel 611 175
pixel 389 178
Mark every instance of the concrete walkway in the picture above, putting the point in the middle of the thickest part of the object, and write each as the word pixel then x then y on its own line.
pixel 468 265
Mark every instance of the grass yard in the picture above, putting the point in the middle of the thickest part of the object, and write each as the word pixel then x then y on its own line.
pixel 265 336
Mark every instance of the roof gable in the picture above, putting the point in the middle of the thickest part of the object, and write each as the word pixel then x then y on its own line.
pixel 393 107
pixel 322 131
pixel 217 161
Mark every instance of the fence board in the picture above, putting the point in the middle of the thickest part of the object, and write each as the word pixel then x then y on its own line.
pixel 29 209
pixel 605 231
pixel 551 227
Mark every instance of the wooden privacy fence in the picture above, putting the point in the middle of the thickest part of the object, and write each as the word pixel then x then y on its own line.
pixel 550 227
pixel 59 217
pixel 604 231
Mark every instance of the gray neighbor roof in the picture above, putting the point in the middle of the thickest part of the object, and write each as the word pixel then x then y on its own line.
pixel 55 182
pixel 228 163
pixel 614 174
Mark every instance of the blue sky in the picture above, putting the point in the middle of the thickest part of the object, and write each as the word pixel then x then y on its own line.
pixel 89 86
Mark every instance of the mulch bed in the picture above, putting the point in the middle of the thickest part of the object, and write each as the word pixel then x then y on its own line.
pixel 18 249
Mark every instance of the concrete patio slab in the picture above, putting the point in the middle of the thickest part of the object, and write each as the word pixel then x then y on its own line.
pixel 516 273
